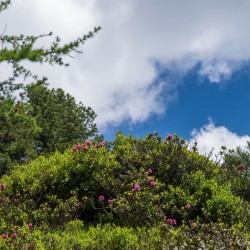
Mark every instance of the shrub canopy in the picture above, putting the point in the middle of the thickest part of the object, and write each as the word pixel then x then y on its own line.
pixel 131 182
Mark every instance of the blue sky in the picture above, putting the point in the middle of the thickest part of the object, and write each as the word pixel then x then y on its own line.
pixel 168 66
pixel 200 102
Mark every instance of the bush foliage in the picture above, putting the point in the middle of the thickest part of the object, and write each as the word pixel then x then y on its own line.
pixel 107 236
pixel 130 191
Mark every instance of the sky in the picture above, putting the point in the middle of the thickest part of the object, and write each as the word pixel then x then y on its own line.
pixel 177 66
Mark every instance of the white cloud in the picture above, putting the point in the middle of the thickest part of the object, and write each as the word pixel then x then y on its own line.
pixel 218 70
pixel 116 74
pixel 211 137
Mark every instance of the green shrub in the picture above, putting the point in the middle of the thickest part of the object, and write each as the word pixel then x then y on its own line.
pixel 131 182
pixel 236 164
pixel 77 236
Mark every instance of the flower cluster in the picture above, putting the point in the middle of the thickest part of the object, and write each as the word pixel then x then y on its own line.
pixel 151 181
pixel 86 145
pixel 2 186
pixel 101 144
pixel 82 147
pixel 14 235
pixel 171 221
pixel 169 137
pixel 187 206
pixel 149 171
pixel 136 187
pixel 76 147
pixel 102 198
pixel 5 236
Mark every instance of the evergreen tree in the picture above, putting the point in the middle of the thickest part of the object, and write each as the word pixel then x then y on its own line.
pixel 63 122
pixel 17 132
pixel 47 120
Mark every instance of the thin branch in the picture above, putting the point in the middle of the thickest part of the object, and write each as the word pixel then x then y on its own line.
pixel 4 30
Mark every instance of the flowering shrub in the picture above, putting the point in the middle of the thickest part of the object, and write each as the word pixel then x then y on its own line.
pixel 131 182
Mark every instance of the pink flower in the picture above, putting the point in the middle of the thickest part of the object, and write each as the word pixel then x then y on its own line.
pixel 30 226
pixel 152 183
pixel 136 187
pixel 171 221
pixel 150 179
pixel 88 143
pixel 101 198
pixel 187 206
pixel 149 171
pixel 169 137
pixel 2 186
pixel 110 200
pixel 13 235
pixel 84 147
pixel 101 144
pixel 76 147
pixel 4 236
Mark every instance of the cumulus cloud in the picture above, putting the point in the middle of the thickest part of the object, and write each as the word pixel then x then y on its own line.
pixel 214 137
pixel 116 75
